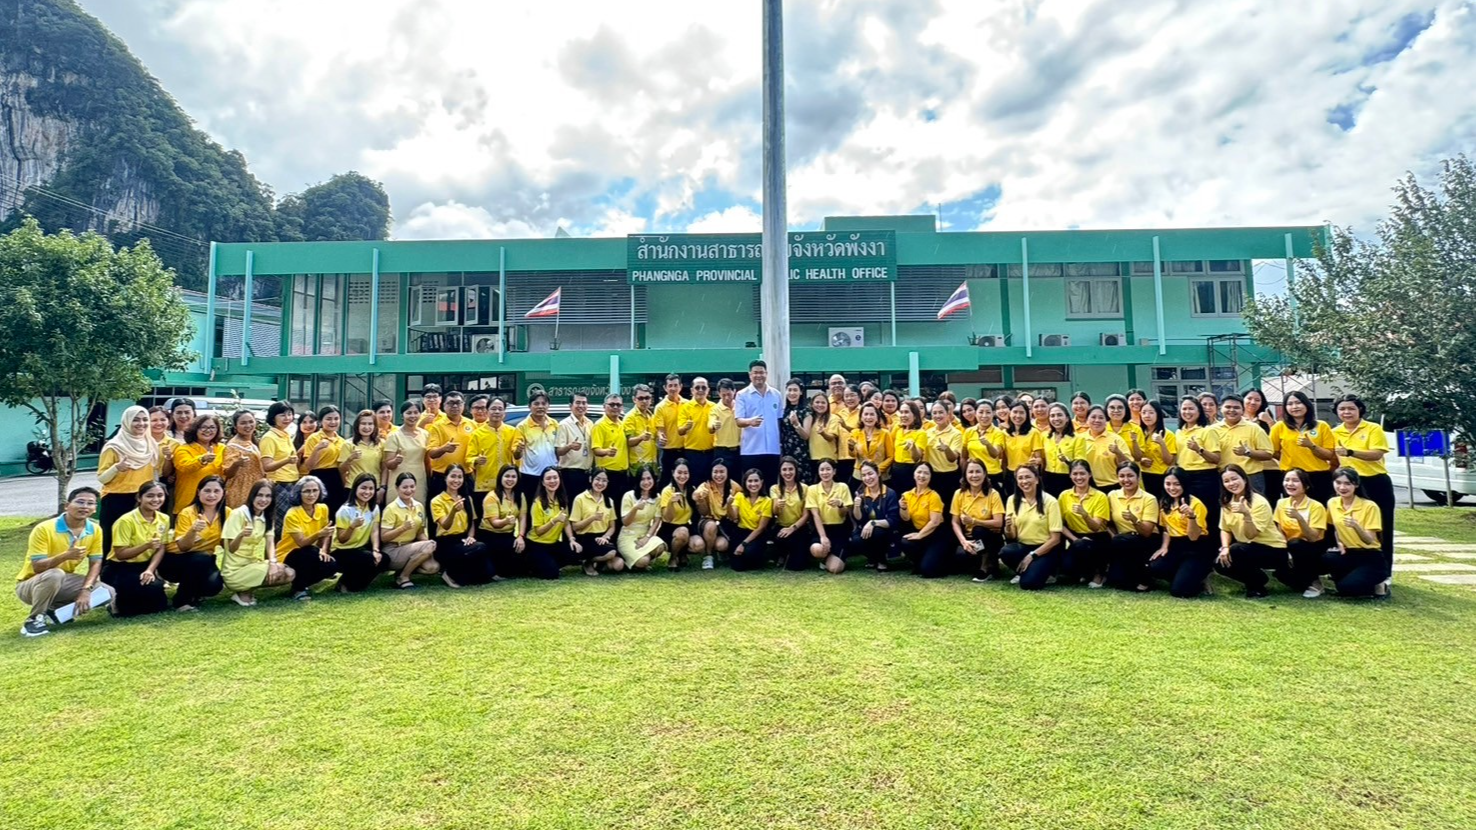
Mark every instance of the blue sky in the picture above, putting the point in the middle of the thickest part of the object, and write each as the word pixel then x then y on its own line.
pixel 496 119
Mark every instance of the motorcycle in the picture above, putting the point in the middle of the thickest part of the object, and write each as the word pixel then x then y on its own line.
pixel 38 458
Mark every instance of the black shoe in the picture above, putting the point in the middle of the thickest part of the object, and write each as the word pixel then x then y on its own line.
pixel 1257 593
pixel 34 626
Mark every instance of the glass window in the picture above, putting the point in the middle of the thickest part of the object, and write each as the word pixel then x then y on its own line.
pixel 299 392
pixel 1094 298
pixel 1225 266
pixel 356 327
pixel 327 391
pixel 1146 268
pixel 980 272
pixel 1092 269
pixel 1192 266
pixel 304 313
pixel 329 308
pixel 1223 297
pixel 1193 373
pixel 1040 374
pixel 1038 269
pixel 356 396
pixel 384 388
pixel 1166 373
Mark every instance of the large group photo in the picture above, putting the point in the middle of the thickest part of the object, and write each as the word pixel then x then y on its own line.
pixel 788 415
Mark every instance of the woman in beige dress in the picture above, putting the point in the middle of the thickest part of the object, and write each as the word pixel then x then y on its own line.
pixel 405 450
pixel 248 470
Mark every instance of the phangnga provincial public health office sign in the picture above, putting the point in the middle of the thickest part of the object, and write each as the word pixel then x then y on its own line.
pixel 815 256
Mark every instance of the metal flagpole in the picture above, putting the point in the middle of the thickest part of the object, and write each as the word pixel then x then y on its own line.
pixel 774 289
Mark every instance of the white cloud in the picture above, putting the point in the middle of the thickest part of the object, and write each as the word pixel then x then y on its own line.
pixel 736 219
pixel 505 119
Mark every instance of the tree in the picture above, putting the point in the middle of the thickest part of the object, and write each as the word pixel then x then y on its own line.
pixel 1393 314
pixel 82 323
pixel 347 207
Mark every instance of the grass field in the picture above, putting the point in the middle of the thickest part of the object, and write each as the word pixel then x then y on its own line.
pixel 750 700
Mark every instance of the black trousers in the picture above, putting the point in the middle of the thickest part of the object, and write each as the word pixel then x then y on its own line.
pixel 618 483
pixel 334 491
pixel 1307 561
pixel 1356 573
pixel 730 458
pixel 755 555
pixel 1206 486
pixel 767 465
pixel 668 459
pixel 528 486
pixel 505 562
pixel 111 508
pixel 465 564
pixel 1250 562
pixel 917 551
pixel 839 535
pixel 195 576
pixel 793 552
pixel 699 466
pixel 946 558
pixel 574 481
pixel 1381 491
pixel 591 548
pixel 1035 576
pixel 132 599
pixel 309 569
pixel 1086 557
pixel 844 469
pixel 358 568
pixel 1154 484
pixel 901 477
pixel 1128 560
pixel 946 484
pixel 1056 483
pixel 1005 483
pixel 545 559
pixel 881 547
pixel 1185 565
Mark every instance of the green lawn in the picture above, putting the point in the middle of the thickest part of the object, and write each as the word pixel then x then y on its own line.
pixel 764 700
pixel 1455 524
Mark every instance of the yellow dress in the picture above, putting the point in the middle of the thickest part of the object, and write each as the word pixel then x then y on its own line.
pixel 414 450
pixel 625 541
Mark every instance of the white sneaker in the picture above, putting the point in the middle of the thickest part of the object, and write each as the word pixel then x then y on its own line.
pixel 1015 580
pixel 707 563
pixel 1095 584
pixel 35 626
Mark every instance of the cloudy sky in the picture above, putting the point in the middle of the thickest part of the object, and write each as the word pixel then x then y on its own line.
pixel 511 119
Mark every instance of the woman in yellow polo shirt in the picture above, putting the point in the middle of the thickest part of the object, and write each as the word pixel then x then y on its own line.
pixel 1101 448
pixel 908 443
pixel 1361 446
pixel 592 517
pixel 1116 407
pixel 752 513
pixel 1160 449
pixel 279 458
pixel 977 519
pixel 870 441
pixel 1081 402
pixel 986 442
pixel 1058 450
pixel 247 560
pixel 323 451
pixel 159 430
pixel 501 529
pixel 128 461
pixel 1086 519
pixel 405 451
pixel 828 502
pixel 140 538
pixel 713 498
pixel 1251 542
pixel 1199 458
pixel 306 535
pixel 189 561
pixel 549 534
pixel 945 449
pixel 1033 532
pixel 638 542
pixel 1302 442
pixel 1358 567
pixel 1135 530
pixel 923 509
pixel 200 456
pixel 1186 554
pixel 463 559
pixel 404 538
pixel 824 432
pixel 679 530
pixel 1304 524
pixel 791 526
pixel 1023 442
pixel 356 536
pixel 365 454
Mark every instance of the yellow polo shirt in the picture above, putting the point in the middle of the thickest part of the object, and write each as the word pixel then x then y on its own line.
pixel 441 507
pixel 1177 525
pixel 682 512
pixel 723 426
pixel 444 432
pixel 1247 432
pixel 1365 512
pixel 1366 436
pixel 1190 459
pixel 1033 527
pixel 1313 513
pixel 497 508
pixel 1265 527
pixel 977 506
pixel 397 515
pixel 817 500
pixel 921 505
pixel 635 424
pixel 52 537
pixel 1094 504
pixel 750 513
pixel 1020 448
pixel 975 443
pixel 1098 452
pixel 496 445
pixel 1141 505
pixel 277 445
pixel 540 516
pixel 1293 455
pixel 133 530
pixel 951 437
pixel 1159 462
pixel 667 418
pixel 298 520
pixel 790 505
pixel 606 435
pixel 700 437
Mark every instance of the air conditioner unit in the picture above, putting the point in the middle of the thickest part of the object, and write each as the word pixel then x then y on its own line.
pixel 846 338
pixel 517 338
pixel 1112 339
pixel 1056 340
pixel 484 344
pixel 990 341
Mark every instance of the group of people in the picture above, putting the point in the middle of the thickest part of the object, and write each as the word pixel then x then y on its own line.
pixel 1036 491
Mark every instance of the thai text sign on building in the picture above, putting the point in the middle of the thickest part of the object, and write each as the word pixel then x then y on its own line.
pixel 815 256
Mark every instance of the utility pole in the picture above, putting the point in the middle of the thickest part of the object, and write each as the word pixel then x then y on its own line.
pixel 774 281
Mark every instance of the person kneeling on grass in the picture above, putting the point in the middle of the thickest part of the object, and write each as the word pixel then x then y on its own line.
pixel 306 535
pixel 637 541
pixel 1186 555
pixel 1358 567
pixel 189 561
pixel 829 503
pixel 58 548
pixel 246 542
pixel 875 515
pixel 1033 530
pixel 131 569
pixel 403 535
pixel 356 537
pixel 752 513
pixel 924 508
pixel 464 560
pixel 1251 542
pixel 592 518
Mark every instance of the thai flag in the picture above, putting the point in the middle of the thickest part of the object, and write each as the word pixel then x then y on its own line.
pixel 959 299
pixel 550 306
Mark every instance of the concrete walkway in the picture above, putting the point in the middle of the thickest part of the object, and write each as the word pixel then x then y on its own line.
pixel 1435 560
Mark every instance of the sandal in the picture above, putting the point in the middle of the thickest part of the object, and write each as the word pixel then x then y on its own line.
pixel 591 570
pixel 403 585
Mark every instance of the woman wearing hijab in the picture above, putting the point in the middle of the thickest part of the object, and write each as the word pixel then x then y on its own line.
pixel 129 460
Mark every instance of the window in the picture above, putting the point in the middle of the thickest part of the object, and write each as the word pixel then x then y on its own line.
pixel 1040 374
pixel 304 313
pixel 356 329
pixel 1218 297
pixel 921 290
pixel 328 315
pixel 1094 298
pixel 1187 266
pixel 1091 269
pixel 1038 269
pixel 1225 266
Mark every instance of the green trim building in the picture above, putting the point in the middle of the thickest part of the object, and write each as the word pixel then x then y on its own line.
pixel 1051 311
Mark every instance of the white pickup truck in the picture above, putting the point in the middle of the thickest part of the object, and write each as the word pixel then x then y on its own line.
pixel 1428 476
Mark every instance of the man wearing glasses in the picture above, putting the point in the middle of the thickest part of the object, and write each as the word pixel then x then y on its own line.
pixel 49 581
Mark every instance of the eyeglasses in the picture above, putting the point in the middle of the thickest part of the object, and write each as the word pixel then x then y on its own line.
pixel 83 503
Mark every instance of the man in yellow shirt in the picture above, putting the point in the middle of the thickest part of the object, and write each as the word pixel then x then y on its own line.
pixel 608 444
pixel 641 429
pixel 431 405
pixel 667 420
pixel 59 548
pixel 1243 442
pixel 491 448
pixel 726 434
pixel 447 441
pixel 696 430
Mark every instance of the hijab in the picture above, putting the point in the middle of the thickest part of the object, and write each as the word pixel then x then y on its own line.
pixel 141 449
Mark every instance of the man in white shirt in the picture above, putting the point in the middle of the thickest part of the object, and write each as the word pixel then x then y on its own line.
pixel 757 412
pixel 572 445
